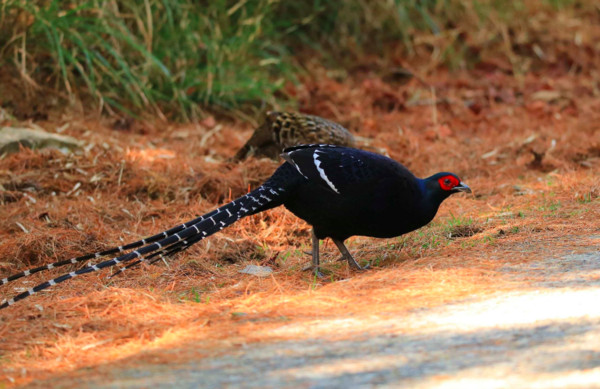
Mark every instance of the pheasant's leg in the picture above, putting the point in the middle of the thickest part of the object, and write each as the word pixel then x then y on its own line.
pixel 315 255
pixel 346 254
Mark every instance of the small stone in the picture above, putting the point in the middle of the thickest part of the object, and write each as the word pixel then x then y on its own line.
pixel 259 271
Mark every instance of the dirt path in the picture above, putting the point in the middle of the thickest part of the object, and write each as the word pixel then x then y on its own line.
pixel 543 336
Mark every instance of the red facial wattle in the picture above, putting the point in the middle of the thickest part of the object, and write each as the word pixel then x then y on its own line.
pixel 448 182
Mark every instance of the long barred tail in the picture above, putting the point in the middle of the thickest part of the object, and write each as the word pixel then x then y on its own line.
pixel 162 254
pixel 166 243
pixel 120 249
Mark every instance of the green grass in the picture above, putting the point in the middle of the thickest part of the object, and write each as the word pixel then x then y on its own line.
pixel 457 221
pixel 177 58
pixel 586 198
pixel 550 205
pixel 424 239
pixel 164 56
pixel 195 296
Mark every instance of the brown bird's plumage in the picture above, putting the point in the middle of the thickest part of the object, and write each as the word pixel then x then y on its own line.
pixel 286 129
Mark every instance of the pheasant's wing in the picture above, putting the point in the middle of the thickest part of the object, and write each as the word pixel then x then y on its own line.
pixel 340 168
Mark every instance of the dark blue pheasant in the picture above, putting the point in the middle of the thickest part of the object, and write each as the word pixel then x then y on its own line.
pixel 340 191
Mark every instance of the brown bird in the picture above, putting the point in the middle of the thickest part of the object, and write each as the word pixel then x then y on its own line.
pixel 286 129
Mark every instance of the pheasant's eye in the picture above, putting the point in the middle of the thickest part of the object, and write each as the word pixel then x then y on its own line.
pixel 448 182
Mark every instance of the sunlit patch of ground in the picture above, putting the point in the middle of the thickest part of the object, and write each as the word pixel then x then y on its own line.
pixel 126 185
pixel 544 335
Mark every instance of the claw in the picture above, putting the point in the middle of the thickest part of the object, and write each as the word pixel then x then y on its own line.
pixel 357 266
pixel 346 255
pixel 316 271
pixel 318 274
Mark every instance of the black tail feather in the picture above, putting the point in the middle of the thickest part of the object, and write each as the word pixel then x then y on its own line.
pixel 120 249
pixel 163 254
pixel 265 197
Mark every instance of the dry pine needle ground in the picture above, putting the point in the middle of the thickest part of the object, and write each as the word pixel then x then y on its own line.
pixel 131 183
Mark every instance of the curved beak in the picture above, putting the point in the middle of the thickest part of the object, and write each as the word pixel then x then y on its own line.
pixel 462 187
